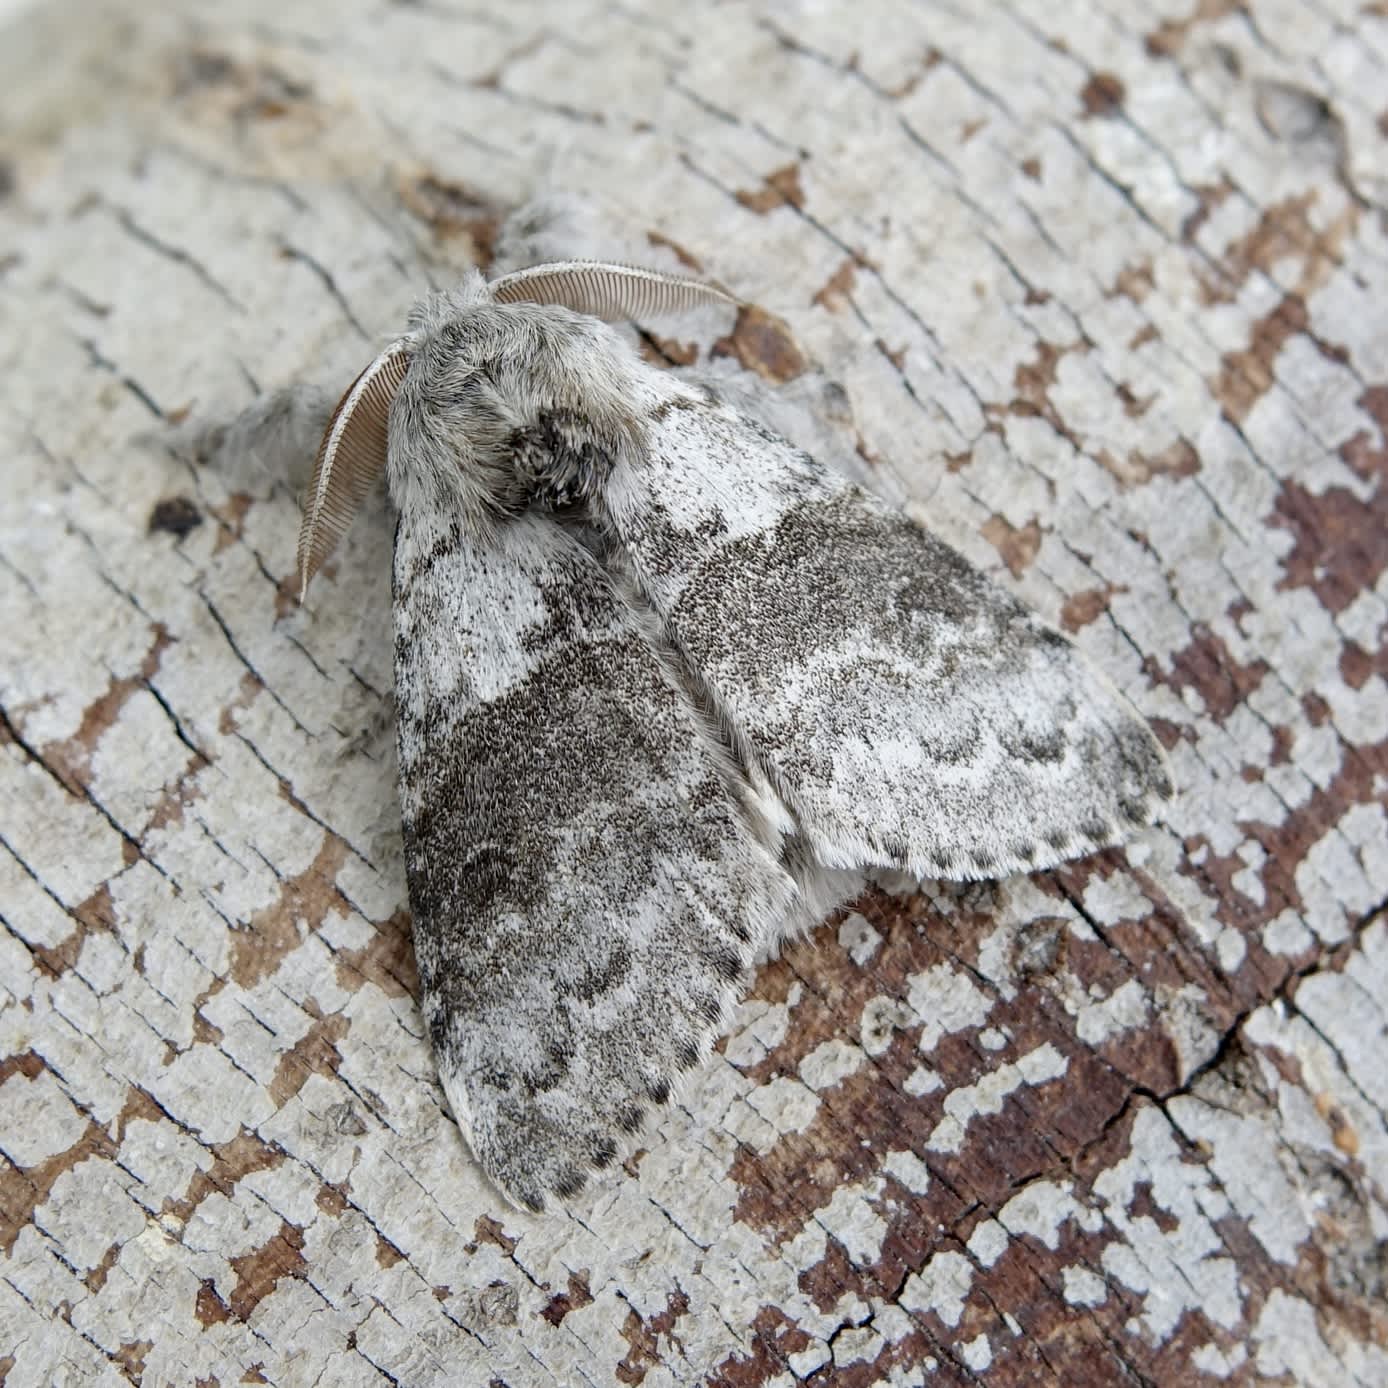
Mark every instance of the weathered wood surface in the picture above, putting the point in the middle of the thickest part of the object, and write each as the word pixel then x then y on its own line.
pixel 1106 286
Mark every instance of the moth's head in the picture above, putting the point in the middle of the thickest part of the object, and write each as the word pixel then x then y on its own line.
pixel 362 435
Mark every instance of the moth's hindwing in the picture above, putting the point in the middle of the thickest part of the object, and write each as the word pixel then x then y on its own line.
pixel 585 890
pixel 908 710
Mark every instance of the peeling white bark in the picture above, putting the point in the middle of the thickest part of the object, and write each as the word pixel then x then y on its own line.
pixel 1104 284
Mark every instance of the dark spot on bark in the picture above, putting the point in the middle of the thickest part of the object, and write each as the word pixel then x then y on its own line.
pixel 1144 1206
pixel 452 209
pixel 1102 95
pixel 1133 282
pixel 838 289
pixel 332 1200
pixel 315 1053
pixel 577 1295
pixel 778 189
pixel 487 1230
pixel 1356 665
pixel 304 900
pixel 1080 609
pixel 260 1271
pixel 686 258
pixel 762 343
pixel 1339 551
pixel 1208 196
pixel 208 1306
pixel 1170 35
pixel 1207 666
pixel 644 1338
pixel 131 1357
pixel 1246 376
pixel 95 1280
pixel 1017 545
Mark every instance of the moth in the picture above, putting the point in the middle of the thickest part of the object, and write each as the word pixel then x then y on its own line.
pixel 666 687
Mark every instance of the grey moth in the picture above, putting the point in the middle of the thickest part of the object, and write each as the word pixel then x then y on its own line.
pixel 666 688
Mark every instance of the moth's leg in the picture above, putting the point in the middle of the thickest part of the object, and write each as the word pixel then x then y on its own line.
pixel 273 440
pixel 267 451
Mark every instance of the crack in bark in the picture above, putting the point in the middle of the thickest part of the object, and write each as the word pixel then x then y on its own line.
pixel 76 791
pixel 236 650
pixel 96 358
pixel 920 129
pixel 325 277
pixel 176 254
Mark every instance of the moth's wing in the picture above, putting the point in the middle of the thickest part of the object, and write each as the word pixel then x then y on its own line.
pixel 586 891
pixel 907 710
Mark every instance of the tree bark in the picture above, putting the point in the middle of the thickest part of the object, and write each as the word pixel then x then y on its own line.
pixel 1105 287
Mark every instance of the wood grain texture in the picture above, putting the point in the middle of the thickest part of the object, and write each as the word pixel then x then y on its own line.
pixel 1105 284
